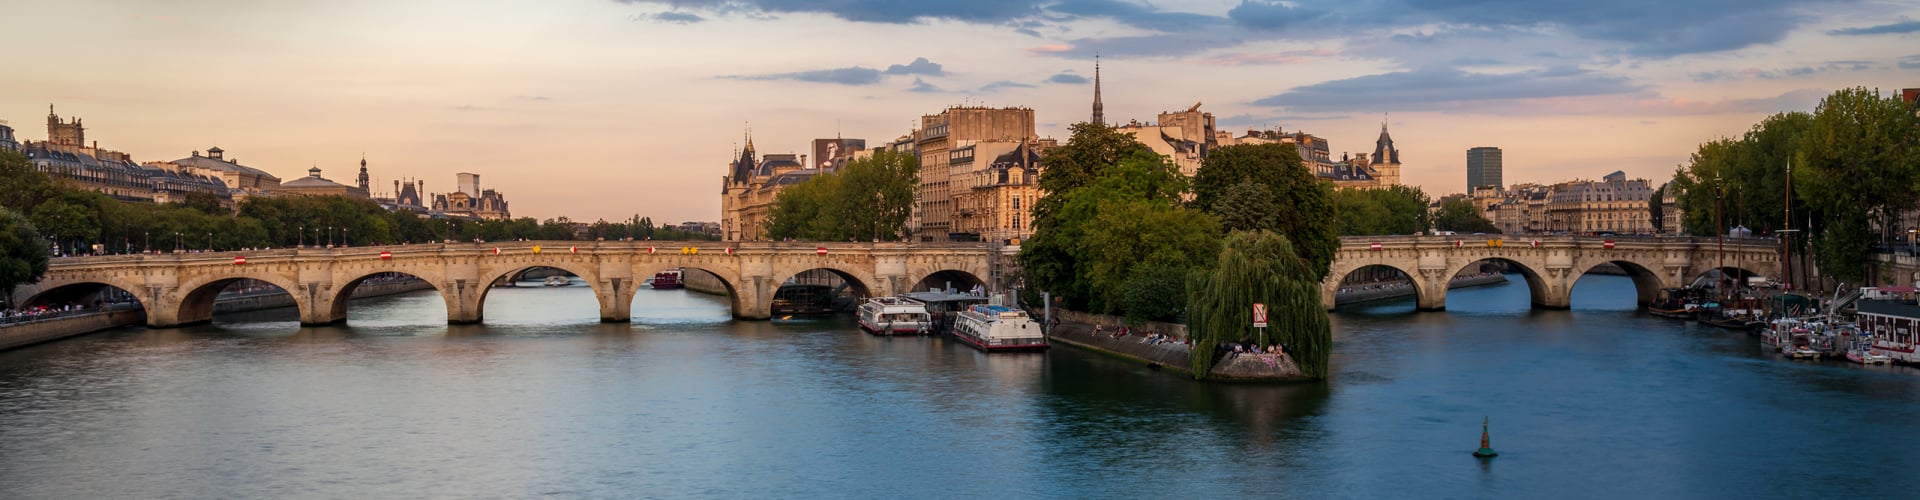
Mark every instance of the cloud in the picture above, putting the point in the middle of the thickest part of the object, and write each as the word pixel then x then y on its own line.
pixel 1910 62
pixel 1068 78
pixel 919 66
pixel 1003 84
pixel 870 11
pixel 1267 58
pixel 535 98
pixel 1884 29
pixel 1437 88
pixel 1653 28
pixel 1137 15
pixel 923 87
pixel 843 76
pixel 1272 16
pixel 676 18
pixel 1781 73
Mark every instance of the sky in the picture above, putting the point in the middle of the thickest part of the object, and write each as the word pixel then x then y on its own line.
pixel 604 109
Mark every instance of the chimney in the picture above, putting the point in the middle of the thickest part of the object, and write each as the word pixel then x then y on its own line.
pixel 803 161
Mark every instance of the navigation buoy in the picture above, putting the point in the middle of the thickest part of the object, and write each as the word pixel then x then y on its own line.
pixel 1486 450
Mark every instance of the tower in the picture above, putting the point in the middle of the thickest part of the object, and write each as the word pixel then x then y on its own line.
pixel 365 183
pixel 1386 159
pixel 1099 112
pixel 65 134
pixel 1483 168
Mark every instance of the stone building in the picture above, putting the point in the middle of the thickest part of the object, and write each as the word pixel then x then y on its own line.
pixel 1184 137
pixel 1614 204
pixel 470 201
pixel 1352 171
pixel 943 136
pixel 315 185
pixel 7 141
pixel 748 190
pixel 68 156
pixel 996 202
pixel 242 181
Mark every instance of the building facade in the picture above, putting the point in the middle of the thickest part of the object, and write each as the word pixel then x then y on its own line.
pixel 242 181
pixel 68 156
pixel 943 136
pixel 997 202
pixel 7 142
pixel 1184 137
pixel 315 185
pixel 1483 168
pixel 1614 204
pixel 470 200
pixel 749 188
pixel 1352 171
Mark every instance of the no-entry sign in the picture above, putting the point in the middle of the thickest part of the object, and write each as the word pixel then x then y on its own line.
pixel 1259 315
pixel 820 250
pixel 239 260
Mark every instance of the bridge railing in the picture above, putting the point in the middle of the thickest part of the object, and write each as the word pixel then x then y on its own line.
pixel 402 250
pixel 1402 240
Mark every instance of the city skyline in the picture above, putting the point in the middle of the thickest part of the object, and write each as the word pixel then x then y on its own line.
pixel 598 109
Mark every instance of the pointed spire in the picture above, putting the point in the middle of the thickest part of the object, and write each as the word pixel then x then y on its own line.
pixel 1099 112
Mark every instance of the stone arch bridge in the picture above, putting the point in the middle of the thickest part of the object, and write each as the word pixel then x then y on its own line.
pixel 1551 264
pixel 179 289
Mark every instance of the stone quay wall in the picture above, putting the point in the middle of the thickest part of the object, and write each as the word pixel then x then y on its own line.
pixel 24 334
pixel 1076 330
pixel 704 282
pixel 276 299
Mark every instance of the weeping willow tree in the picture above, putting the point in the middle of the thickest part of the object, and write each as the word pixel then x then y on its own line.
pixel 1259 266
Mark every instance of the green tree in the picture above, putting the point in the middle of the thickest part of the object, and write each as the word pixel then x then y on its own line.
pixel 1259 267
pixel 22 186
pixel 23 254
pixel 1460 215
pixel 1303 203
pixel 1051 256
pixel 1858 165
pixel 866 199
pixel 1058 258
pixel 1129 235
pixel 206 203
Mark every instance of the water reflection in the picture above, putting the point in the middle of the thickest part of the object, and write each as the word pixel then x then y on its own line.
pixel 544 400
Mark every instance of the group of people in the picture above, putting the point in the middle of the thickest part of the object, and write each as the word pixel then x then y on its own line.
pixel 45 312
pixel 1250 347
pixel 1151 338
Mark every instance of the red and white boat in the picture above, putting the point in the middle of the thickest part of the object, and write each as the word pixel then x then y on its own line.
pixel 1890 317
pixel 894 316
pixel 998 328
pixel 666 280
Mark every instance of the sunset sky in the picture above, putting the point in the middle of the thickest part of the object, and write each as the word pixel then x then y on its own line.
pixel 603 109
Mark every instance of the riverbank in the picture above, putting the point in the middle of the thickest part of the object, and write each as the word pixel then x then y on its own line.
pixel 1076 331
pixel 695 280
pixel 1398 289
pixel 34 332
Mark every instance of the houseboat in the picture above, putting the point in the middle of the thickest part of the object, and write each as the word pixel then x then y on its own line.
pixel 945 306
pixel 557 281
pixel 1681 303
pixel 998 328
pixel 1890 317
pixel 667 280
pixel 895 315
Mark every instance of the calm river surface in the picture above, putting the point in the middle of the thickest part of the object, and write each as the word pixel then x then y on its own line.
pixel 1599 401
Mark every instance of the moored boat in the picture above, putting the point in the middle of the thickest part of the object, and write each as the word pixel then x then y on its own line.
pixel 895 315
pixel 557 281
pixel 1680 303
pixel 998 328
pixel 666 280
pixel 1865 355
pixel 1889 318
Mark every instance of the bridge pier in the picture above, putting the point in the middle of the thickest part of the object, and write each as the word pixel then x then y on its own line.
pixel 616 300
pixel 464 301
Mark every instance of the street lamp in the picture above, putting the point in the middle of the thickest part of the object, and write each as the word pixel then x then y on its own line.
pixel 300 241
pixel 209 242
pixel 149 238
pixel 176 242
pixel 329 236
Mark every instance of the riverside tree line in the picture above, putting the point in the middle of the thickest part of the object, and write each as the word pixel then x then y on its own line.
pixel 39 213
pixel 1854 165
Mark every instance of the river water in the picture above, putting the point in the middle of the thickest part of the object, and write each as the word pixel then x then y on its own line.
pixel 1599 401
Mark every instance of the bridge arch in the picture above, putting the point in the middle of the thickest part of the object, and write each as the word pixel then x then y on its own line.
pixel 1646 281
pixel 935 279
pixel 1543 291
pixel 861 284
pixel 196 296
pixel 335 305
pixel 1337 284
pixel 78 292
pixel 739 304
pixel 474 310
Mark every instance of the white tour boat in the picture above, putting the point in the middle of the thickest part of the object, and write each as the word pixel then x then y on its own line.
pixel 1862 354
pixel 998 328
pixel 895 315
pixel 557 281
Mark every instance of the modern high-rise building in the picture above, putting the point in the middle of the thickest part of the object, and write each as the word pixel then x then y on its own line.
pixel 1483 168
pixel 467 183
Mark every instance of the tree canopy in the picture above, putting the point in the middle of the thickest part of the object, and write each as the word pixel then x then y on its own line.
pixel 23 254
pixel 1301 205
pixel 865 199
pixel 1381 211
pixel 1459 214
pixel 1259 267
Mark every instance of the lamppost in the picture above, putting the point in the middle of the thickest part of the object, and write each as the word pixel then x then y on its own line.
pixel 209 242
pixel 177 242
pixel 344 241
pixel 148 235
pixel 329 236
pixel 300 241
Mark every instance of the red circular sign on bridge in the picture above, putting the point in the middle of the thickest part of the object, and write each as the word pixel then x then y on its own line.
pixel 386 255
pixel 649 250
pixel 1608 244
pixel 820 250
pixel 239 260
pixel 1374 245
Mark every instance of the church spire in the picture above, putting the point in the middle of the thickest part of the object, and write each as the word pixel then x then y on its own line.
pixel 365 182
pixel 1099 112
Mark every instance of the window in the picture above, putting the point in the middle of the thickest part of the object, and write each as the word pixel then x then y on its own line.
pixel 1016 202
